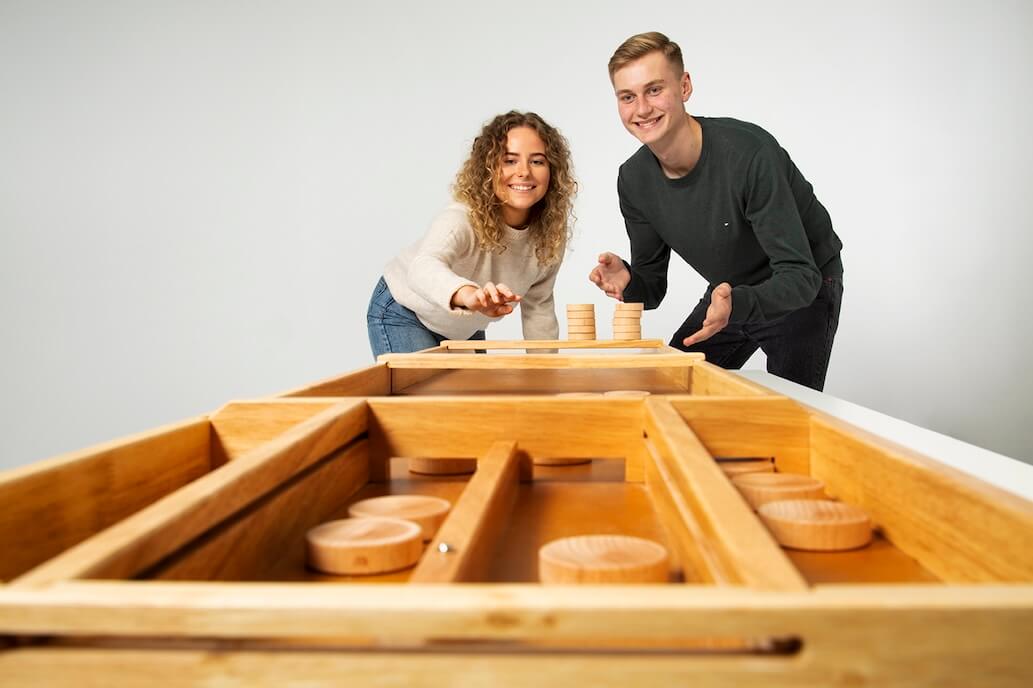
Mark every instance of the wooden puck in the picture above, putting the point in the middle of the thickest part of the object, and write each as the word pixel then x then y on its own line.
pixel 580 322
pixel 627 322
pixel 819 525
pixel 581 329
pixel 428 466
pixel 627 335
pixel 740 467
pixel 580 337
pixel 579 394
pixel 629 306
pixel 629 393
pixel 425 511
pixel 571 307
pixel 760 488
pixel 603 559
pixel 363 545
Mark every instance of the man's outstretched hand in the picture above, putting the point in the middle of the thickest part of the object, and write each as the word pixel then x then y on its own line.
pixel 718 313
pixel 610 275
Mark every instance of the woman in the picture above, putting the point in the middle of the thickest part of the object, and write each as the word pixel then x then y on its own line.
pixel 500 244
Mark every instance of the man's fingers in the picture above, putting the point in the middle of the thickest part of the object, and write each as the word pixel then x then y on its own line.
pixel 704 334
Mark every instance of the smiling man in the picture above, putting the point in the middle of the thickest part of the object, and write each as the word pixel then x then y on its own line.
pixel 728 199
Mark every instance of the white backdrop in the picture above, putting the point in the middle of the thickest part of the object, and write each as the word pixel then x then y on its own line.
pixel 197 198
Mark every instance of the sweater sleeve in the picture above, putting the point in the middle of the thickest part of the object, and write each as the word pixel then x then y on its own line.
pixel 772 213
pixel 538 307
pixel 650 255
pixel 430 273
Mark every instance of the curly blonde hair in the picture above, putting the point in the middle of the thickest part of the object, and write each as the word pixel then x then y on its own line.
pixel 550 219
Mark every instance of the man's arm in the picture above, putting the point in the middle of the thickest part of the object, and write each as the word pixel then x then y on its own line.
pixel 650 255
pixel 772 212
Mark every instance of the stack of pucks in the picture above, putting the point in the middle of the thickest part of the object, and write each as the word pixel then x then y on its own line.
pixel 627 321
pixel 580 321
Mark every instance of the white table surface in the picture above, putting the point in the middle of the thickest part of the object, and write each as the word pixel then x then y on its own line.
pixel 1001 471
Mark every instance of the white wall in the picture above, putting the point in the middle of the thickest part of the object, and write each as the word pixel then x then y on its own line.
pixel 197 198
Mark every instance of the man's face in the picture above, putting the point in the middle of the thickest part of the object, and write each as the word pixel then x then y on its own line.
pixel 651 97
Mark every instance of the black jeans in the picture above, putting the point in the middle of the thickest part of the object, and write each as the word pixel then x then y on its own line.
pixel 798 345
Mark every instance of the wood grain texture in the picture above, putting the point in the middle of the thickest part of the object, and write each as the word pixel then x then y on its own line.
pixel 603 559
pixel 457 427
pixel 748 551
pixel 142 539
pixel 763 427
pixel 535 361
pixel 240 426
pixel 470 533
pixel 907 637
pixel 361 546
pixel 959 528
pixel 761 488
pixel 52 505
pixel 709 380
pixel 553 344
pixel 371 381
pixel 523 382
pixel 693 548
pixel 817 524
pixel 264 542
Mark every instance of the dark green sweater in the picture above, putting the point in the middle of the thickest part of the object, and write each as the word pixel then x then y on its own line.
pixel 743 215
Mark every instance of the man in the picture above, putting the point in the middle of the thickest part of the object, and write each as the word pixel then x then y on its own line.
pixel 726 198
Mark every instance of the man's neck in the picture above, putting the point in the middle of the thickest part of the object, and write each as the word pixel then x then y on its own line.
pixel 679 154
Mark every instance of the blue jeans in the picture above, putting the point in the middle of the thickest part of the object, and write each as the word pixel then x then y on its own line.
pixel 394 329
pixel 798 345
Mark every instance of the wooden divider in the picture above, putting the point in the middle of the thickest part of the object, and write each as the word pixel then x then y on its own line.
pixel 372 381
pixel 142 539
pixel 461 549
pixel 538 361
pixel 532 344
pixel 461 427
pixel 266 541
pixel 710 380
pixel 240 426
pixel 750 426
pixel 49 506
pixel 959 528
pixel 693 549
pixel 747 550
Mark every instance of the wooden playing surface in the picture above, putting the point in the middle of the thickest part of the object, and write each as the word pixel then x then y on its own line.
pixel 559 502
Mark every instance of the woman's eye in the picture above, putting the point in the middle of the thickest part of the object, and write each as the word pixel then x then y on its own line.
pixel 539 162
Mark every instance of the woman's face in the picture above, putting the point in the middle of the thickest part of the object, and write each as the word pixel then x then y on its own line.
pixel 523 177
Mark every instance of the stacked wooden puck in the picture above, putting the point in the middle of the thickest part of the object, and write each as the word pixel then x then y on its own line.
pixel 580 321
pixel 627 321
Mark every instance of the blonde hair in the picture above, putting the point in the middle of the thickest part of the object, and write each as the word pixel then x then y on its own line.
pixel 642 44
pixel 475 185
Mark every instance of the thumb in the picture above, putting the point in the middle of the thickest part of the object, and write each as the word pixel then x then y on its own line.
pixel 722 291
pixel 606 258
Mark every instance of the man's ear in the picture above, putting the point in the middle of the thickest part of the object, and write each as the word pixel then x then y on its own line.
pixel 686 87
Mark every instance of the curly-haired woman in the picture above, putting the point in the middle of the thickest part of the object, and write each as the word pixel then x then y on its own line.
pixel 500 244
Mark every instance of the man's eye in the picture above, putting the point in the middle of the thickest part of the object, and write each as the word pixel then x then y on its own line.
pixel 654 90
pixel 626 99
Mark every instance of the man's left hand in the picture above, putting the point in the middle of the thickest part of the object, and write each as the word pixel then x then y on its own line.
pixel 718 313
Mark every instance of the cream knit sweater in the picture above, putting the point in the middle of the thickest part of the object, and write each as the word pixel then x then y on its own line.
pixel 424 277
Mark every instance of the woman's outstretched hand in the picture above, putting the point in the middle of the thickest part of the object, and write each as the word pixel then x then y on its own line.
pixel 492 300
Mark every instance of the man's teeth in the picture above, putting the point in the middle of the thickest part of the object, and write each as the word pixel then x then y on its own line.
pixel 649 123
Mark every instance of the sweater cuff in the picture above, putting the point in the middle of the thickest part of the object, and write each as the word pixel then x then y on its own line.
pixel 446 302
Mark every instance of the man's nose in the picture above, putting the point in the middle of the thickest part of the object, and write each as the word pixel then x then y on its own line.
pixel 642 107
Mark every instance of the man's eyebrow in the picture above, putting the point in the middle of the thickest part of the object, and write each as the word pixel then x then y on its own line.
pixel 654 82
